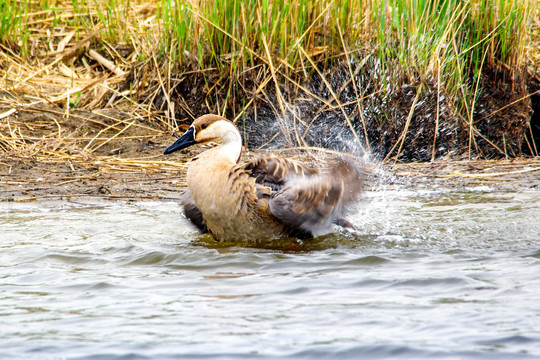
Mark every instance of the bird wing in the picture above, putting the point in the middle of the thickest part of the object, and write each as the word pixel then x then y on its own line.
pixel 273 172
pixel 306 201
pixel 314 203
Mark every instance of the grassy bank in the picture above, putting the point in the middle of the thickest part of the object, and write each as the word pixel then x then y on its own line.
pixel 411 80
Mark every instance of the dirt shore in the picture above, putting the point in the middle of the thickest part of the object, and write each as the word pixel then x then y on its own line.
pixel 153 176
pixel 54 156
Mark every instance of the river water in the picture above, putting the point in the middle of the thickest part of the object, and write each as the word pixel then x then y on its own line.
pixel 431 274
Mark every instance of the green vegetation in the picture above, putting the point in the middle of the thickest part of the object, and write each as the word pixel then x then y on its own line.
pixel 11 15
pixel 22 21
pixel 243 33
pixel 446 45
pixel 450 39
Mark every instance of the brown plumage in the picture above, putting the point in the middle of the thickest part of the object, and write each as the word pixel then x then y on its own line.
pixel 264 198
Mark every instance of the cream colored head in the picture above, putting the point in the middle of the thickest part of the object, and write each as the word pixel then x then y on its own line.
pixel 214 128
pixel 210 128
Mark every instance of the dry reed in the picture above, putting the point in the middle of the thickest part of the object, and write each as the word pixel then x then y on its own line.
pixel 68 65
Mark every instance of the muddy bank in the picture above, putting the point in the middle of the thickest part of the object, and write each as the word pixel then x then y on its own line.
pixel 28 180
pixel 116 155
pixel 109 153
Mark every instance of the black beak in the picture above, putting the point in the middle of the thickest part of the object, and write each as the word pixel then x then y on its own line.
pixel 186 140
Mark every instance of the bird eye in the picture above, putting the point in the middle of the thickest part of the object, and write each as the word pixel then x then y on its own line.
pixel 204 126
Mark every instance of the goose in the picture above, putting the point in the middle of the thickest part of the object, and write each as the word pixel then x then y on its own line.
pixel 265 198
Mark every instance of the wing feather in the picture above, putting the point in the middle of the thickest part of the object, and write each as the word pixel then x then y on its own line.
pixel 304 200
pixel 316 202
pixel 273 172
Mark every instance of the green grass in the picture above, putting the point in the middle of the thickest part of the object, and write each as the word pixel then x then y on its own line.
pixel 22 21
pixel 242 33
pixel 454 39
pixel 447 44
pixel 449 40
pixel 12 26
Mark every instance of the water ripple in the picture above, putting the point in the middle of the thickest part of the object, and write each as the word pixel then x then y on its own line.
pixel 435 275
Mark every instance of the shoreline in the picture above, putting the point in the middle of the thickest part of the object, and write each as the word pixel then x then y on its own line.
pixel 33 180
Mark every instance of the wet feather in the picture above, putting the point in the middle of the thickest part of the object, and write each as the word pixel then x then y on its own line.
pixel 267 197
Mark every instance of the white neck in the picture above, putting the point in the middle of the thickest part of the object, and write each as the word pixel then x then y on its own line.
pixel 232 141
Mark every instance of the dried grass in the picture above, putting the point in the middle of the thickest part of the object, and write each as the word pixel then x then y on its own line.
pixel 70 65
pixel 51 100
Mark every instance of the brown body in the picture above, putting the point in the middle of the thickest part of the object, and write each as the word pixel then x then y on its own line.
pixel 227 199
pixel 265 198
